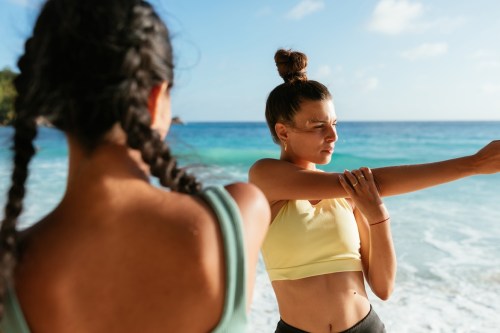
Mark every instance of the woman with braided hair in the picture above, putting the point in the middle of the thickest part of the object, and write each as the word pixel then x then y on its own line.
pixel 118 254
pixel 330 232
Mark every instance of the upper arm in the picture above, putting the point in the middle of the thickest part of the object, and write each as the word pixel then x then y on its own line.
pixel 256 216
pixel 254 211
pixel 281 180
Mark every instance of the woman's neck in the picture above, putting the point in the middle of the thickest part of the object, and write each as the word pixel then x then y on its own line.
pixel 300 163
pixel 110 159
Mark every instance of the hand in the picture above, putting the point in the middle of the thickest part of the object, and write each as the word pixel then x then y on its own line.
pixel 487 159
pixel 360 186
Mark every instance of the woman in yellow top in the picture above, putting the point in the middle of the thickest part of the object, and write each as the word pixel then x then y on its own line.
pixel 320 247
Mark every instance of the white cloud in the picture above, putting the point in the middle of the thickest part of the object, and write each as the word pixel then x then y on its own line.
pixel 304 8
pixel 323 72
pixel 482 54
pixel 489 64
pixel 364 81
pixel 486 59
pixel 426 51
pixel 443 24
pixel 491 88
pixel 395 16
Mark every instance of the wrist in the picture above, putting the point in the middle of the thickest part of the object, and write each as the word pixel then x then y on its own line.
pixel 379 214
pixel 387 219
pixel 471 165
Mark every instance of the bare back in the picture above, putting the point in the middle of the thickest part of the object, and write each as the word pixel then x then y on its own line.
pixel 109 259
pixel 120 255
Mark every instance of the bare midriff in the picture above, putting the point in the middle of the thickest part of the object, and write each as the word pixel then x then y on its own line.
pixel 326 303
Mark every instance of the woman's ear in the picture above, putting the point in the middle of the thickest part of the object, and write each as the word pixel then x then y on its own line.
pixel 159 108
pixel 281 131
pixel 155 99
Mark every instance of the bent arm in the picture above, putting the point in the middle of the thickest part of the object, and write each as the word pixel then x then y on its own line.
pixel 256 217
pixel 378 255
pixel 376 247
pixel 280 180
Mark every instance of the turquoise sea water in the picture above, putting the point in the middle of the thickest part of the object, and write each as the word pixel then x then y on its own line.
pixel 447 238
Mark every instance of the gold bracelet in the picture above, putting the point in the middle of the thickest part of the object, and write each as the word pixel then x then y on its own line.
pixel 387 219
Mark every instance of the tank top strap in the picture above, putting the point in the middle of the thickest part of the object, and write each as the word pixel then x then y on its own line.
pixel 234 316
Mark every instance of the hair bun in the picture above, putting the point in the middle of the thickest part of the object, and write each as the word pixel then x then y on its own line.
pixel 291 65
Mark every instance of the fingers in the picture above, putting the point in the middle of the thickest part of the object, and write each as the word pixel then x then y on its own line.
pixel 347 186
pixel 364 177
pixel 367 172
pixel 353 180
pixel 361 178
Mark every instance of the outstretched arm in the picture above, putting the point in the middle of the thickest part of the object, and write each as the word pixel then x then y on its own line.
pixel 409 178
pixel 280 180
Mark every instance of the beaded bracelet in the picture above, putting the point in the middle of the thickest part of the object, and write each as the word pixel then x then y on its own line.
pixel 387 219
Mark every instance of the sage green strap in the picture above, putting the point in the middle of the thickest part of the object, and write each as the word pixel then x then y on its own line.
pixel 234 316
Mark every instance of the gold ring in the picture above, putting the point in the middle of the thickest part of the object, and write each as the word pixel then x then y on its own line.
pixel 353 185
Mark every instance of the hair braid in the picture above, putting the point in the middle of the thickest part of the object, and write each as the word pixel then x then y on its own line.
pixel 25 131
pixel 136 120
pixel 85 74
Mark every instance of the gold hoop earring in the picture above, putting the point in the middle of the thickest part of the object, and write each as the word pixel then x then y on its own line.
pixel 285 145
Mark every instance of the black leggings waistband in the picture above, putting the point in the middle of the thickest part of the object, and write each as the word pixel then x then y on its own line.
pixel 371 323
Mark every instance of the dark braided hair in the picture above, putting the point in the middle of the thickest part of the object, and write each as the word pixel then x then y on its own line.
pixel 88 66
pixel 284 101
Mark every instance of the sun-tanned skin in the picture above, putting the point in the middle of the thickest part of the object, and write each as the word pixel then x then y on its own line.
pixel 336 301
pixel 136 256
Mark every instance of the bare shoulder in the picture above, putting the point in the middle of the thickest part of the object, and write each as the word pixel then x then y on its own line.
pixel 264 164
pixel 246 195
pixel 269 168
pixel 182 214
pixel 193 221
pixel 253 206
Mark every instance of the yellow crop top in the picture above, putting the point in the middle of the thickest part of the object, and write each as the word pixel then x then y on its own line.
pixel 307 240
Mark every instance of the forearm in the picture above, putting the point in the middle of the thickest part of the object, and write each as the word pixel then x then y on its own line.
pixel 408 178
pixel 382 260
pixel 377 251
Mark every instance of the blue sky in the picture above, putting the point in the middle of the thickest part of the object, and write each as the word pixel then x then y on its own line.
pixel 381 59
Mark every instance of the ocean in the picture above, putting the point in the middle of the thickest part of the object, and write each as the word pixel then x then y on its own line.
pixel 447 238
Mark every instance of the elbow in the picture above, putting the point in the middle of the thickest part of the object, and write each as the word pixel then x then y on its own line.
pixel 384 292
pixel 384 295
pixel 383 289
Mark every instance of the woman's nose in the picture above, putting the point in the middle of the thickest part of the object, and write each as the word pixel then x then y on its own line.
pixel 332 134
